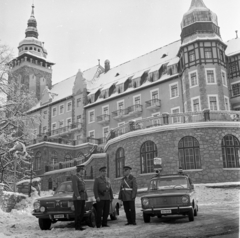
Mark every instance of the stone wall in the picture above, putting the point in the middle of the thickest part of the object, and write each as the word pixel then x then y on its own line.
pixel 209 138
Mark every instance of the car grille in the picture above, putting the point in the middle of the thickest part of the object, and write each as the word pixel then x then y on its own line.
pixel 50 204
pixel 165 201
pixel 64 204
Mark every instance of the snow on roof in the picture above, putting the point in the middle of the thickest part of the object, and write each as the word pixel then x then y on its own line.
pixel 233 47
pixel 38 179
pixel 122 80
pixel 142 63
pixel 155 68
pixel 139 74
pixel 173 61
pixel 64 88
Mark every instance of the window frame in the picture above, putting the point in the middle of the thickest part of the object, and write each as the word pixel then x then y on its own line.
pixel 60 109
pixel 228 101
pixel 54 123
pixel 179 121
pixel 192 105
pixel 170 90
pixel 190 79
pixel 214 75
pixel 134 102
pixel 103 107
pixel 153 91
pixel 103 135
pixel 53 111
pixel 89 116
pixel 213 95
pixel 69 102
pixel 191 53
pixel 67 119
pixel 224 83
pixel 89 133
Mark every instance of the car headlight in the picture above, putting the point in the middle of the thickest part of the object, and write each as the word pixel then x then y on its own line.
pixel 42 209
pixel 145 202
pixel 72 208
pixel 36 205
pixel 185 199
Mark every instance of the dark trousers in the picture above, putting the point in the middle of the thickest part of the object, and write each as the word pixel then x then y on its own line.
pixel 129 208
pixel 102 212
pixel 79 212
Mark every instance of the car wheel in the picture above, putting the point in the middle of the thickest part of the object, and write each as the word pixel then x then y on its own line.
pixel 196 211
pixel 44 224
pixel 159 216
pixel 92 218
pixel 146 218
pixel 115 213
pixel 191 215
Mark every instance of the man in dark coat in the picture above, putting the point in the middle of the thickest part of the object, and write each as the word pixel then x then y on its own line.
pixel 79 195
pixel 104 195
pixel 128 193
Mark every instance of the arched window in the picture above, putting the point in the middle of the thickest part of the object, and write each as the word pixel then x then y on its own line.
pixel 38 160
pixel 68 158
pixel 80 158
pixel 189 153
pixel 230 151
pixel 120 162
pixel 50 184
pixel 148 152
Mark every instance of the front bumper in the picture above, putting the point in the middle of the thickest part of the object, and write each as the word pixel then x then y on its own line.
pixel 162 211
pixel 67 215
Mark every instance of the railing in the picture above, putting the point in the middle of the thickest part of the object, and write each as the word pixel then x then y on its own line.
pixel 153 103
pixel 127 111
pixel 66 129
pixel 177 118
pixel 103 118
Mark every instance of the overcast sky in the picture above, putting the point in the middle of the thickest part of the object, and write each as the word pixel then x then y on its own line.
pixel 79 32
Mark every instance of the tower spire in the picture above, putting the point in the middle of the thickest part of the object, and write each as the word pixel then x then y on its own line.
pixel 31 30
pixel 197 4
pixel 32 14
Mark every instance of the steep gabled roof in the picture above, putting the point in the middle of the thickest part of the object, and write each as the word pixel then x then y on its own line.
pixel 233 47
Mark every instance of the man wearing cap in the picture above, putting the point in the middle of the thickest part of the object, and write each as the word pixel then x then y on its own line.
pixel 128 193
pixel 104 195
pixel 79 195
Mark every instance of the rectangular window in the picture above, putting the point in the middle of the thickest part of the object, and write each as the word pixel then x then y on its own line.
pixel 208 53
pixel 191 55
pixel 137 100
pixel 154 94
pixel 91 116
pixel 61 124
pixel 105 132
pixel 92 134
pixel 44 129
pixel 78 102
pixel 174 90
pixel 69 106
pixel 54 111
pixel 105 110
pixel 196 104
pixel 221 55
pixel 176 119
pixel 61 109
pixel 54 126
pixel 120 107
pixel 69 122
pixel 233 67
pixel 224 79
pixel 226 103
pixel 156 119
pixel 193 79
pixel 210 76
pixel 79 119
pixel 44 114
pixel 122 129
pixel 235 89
pixel 213 103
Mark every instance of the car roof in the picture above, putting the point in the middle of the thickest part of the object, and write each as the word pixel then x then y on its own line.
pixel 159 176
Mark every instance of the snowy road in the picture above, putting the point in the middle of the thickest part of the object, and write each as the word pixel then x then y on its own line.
pixel 218 217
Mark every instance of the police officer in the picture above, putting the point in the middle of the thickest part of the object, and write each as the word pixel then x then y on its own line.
pixel 128 193
pixel 103 194
pixel 79 195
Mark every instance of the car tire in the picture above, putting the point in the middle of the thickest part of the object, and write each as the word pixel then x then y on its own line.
pixel 196 211
pixel 191 215
pixel 146 218
pixel 91 221
pixel 159 216
pixel 44 224
pixel 114 215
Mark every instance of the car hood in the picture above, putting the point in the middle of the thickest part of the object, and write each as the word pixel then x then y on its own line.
pixel 165 193
pixel 57 196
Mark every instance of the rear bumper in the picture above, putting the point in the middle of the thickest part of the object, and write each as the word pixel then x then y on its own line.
pixel 174 210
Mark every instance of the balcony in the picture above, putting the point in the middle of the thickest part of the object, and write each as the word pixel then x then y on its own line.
pixel 153 105
pixel 66 129
pixel 121 114
pixel 103 119
pixel 97 141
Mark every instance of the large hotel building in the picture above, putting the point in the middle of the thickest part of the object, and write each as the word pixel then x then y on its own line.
pixel 180 102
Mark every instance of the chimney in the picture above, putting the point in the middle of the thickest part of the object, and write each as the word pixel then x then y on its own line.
pixel 98 62
pixel 236 34
pixel 107 65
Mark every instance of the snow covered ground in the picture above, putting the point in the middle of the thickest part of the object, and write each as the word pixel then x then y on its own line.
pixel 21 224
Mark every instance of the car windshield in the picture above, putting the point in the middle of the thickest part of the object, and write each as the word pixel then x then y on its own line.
pixel 67 188
pixel 168 183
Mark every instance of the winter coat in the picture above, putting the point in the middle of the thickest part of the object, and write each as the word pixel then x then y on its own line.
pixel 79 188
pixel 102 188
pixel 128 188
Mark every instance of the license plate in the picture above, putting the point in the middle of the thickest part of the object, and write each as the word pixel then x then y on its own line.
pixel 166 211
pixel 58 216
